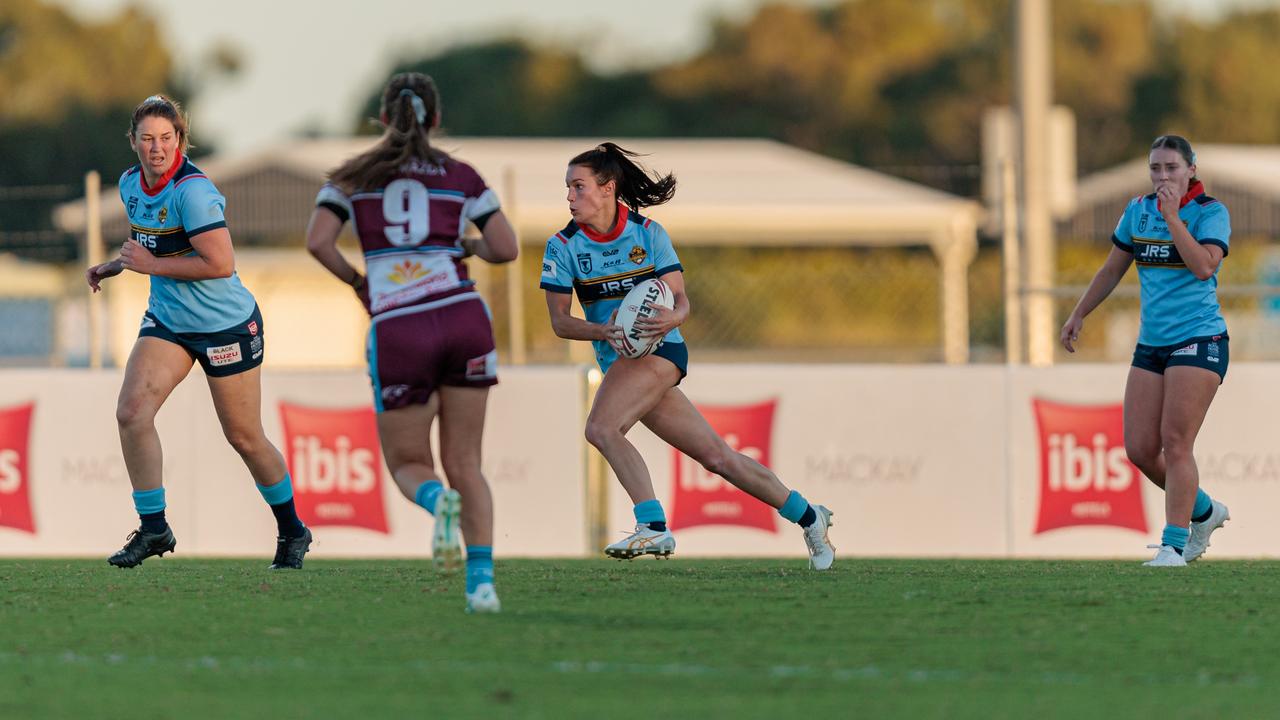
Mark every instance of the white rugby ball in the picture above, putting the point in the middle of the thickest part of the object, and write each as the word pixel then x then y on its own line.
pixel 640 303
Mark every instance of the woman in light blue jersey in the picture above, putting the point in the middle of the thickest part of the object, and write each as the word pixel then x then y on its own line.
pixel 1178 236
pixel 198 311
pixel 601 254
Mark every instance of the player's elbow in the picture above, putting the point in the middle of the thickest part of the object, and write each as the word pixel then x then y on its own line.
pixel 504 253
pixel 1203 272
pixel 223 268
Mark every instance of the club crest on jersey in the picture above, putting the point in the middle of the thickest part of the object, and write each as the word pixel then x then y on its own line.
pixel 584 263
pixel 164 215
pixel 1142 222
pixel 132 205
pixel 638 255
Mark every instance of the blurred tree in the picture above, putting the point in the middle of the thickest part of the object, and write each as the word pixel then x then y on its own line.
pixel 898 84
pixel 68 88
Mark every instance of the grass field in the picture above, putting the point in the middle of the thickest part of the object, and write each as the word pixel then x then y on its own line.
pixel 183 638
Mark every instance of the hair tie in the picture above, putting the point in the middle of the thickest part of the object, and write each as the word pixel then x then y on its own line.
pixel 419 108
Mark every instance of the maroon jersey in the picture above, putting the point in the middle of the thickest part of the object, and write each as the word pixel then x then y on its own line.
pixel 411 230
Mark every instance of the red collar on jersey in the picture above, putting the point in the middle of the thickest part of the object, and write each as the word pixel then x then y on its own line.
pixel 1193 192
pixel 613 233
pixel 164 179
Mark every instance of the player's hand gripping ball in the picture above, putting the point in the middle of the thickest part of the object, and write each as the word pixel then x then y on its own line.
pixel 640 303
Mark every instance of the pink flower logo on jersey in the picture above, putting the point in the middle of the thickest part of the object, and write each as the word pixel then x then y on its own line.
pixel 1085 475
pixel 406 271
pixel 702 498
pixel 15 484
pixel 336 464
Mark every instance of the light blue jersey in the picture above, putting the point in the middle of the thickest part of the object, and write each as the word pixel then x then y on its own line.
pixel 1175 305
pixel 603 268
pixel 163 219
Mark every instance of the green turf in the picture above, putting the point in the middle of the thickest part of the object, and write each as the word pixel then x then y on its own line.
pixel 182 638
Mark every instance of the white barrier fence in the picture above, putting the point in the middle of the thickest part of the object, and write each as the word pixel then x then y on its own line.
pixel 924 461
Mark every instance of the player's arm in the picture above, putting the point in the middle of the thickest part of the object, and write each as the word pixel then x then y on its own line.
pixel 213 258
pixel 569 327
pixel 497 241
pixel 1104 281
pixel 1202 260
pixel 96 274
pixel 663 321
pixel 322 242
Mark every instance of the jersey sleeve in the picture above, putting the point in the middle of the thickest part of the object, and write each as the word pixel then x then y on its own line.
pixel 557 273
pixel 481 203
pixel 1123 236
pixel 334 200
pixel 200 206
pixel 1214 227
pixel 664 253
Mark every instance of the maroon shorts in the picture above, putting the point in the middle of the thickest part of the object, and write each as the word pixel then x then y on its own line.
pixel 414 350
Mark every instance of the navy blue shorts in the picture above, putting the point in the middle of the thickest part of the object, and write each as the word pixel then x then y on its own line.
pixel 677 354
pixel 1210 352
pixel 221 354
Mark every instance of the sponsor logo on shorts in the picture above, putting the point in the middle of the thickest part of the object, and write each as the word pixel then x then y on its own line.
pixel 253 327
pixel 15 484
pixel 392 393
pixel 1212 350
pixel 147 322
pixel 703 498
pixel 483 367
pixel 637 255
pixel 336 465
pixel 224 355
pixel 255 347
pixel 1191 349
pixel 1085 475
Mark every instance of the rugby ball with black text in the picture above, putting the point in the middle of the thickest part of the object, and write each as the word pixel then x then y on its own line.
pixel 640 303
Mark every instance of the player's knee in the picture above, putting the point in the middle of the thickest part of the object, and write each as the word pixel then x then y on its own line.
pixel 460 469
pixel 133 414
pixel 718 461
pixel 1143 455
pixel 245 442
pixel 599 434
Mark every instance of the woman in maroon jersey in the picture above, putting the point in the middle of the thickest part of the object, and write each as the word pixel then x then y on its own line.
pixel 431 347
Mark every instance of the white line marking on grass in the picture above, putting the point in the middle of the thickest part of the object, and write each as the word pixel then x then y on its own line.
pixel 316 666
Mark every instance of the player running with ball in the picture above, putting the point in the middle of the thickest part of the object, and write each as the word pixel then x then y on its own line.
pixel 605 250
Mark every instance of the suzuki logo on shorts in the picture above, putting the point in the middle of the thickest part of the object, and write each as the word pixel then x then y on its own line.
pixel 702 498
pixel 1085 475
pixel 15 484
pixel 336 465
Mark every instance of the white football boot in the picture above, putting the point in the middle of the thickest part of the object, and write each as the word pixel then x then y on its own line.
pixel 1200 531
pixel 821 552
pixel 483 600
pixel 644 541
pixel 1166 556
pixel 446 547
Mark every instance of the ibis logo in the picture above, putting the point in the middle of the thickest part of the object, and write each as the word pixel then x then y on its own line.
pixel 702 498
pixel 336 465
pixel 1085 476
pixel 15 484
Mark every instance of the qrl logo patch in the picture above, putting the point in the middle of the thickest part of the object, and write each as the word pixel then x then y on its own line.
pixel 15 487
pixel 1085 476
pixel 336 465
pixel 702 498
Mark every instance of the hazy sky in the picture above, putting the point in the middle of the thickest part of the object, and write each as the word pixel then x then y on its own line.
pixel 317 77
